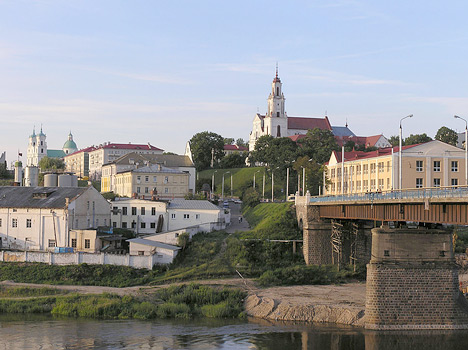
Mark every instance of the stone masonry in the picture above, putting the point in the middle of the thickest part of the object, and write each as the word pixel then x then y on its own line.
pixel 412 282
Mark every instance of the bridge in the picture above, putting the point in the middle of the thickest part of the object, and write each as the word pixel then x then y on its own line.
pixel 412 278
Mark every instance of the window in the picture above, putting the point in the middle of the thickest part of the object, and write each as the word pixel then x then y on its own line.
pixel 197 216
pixel 87 243
pixel 133 224
pixel 155 179
pixel 419 165
pixel 153 211
pixel 51 243
pixel 332 173
pixel 153 225
pixel 28 223
pixel 124 210
pixel 365 169
pixel 146 178
pixel 115 210
pixel 134 210
pixel 437 165
pixel 419 183
pixel 138 179
pixel 138 189
pixel 146 190
pixel 14 223
pixel 0 222
pixel 436 182
pixel 186 216
pixel 143 225
pixel 114 224
pixel 454 182
pixel 454 166
pixel 172 216
pixel 166 190
pixel 166 179
pixel 88 205
pixel 141 252
pixel 73 242
pixel 142 210
pixel 124 224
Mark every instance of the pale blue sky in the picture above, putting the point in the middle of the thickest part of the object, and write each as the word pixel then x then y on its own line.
pixel 161 71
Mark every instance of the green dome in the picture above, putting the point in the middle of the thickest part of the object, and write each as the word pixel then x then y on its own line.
pixel 70 144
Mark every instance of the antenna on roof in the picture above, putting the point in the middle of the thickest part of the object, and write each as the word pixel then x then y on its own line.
pixel 346 122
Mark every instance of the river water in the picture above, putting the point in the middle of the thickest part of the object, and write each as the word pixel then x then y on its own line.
pixel 38 332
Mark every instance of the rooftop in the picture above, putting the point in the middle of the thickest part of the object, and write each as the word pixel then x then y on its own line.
pixel 153 243
pixel 179 203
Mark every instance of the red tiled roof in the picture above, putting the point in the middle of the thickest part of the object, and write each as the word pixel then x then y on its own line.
pixel 356 155
pixel 87 149
pixel 296 138
pixel 368 141
pixel 235 148
pixel 301 123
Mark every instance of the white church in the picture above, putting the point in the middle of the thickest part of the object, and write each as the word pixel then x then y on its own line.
pixel 277 124
pixel 37 148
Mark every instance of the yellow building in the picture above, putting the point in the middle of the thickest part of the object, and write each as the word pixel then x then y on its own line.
pixel 169 183
pixel 431 164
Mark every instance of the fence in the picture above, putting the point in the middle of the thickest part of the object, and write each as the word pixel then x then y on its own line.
pixel 136 261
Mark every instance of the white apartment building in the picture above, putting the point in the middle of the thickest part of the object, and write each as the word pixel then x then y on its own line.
pixel 40 218
pixel 109 152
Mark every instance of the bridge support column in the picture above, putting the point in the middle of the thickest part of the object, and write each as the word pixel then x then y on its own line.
pixel 412 282
pixel 317 247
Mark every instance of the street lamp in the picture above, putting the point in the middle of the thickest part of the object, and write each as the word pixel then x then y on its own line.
pixel 400 151
pixel 222 190
pixel 254 178
pixel 466 147
pixel 212 183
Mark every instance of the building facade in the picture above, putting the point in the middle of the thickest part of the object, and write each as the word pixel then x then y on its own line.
pixel 78 162
pixel 40 218
pixel 132 161
pixel 152 180
pixel 431 164
pixel 109 152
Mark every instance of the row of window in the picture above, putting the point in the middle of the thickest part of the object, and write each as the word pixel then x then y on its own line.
pixel 134 210
pixel 152 224
pixel 155 179
pixel 436 182
pixel 14 223
pixel 381 167
pixel 87 243
pixel 138 189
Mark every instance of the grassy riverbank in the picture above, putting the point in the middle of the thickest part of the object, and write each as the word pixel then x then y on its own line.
pixel 182 301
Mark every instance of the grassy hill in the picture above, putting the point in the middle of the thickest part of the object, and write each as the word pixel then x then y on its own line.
pixel 242 178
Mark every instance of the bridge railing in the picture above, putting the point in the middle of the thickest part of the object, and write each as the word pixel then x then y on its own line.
pixel 412 194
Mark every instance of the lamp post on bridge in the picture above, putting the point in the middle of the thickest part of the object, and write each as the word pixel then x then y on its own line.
pixel 400 151
pixel 466 147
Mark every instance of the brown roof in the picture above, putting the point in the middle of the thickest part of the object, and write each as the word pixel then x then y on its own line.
pixel 235 148
pixel 308 123
pixel 169 160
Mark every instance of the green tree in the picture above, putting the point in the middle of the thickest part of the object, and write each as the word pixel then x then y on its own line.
pixel 261 154
pixel 447 135
pixel 228 140
pixel 202 145
pixel 415 139
pixel 394 140
pixel 241 143
pixel 234 160
pixel 250 198
pixel 313 171
pixel 4 174
pixel 47 163
pixel 318 145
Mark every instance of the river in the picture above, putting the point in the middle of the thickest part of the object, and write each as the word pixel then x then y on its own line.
pixel 44 332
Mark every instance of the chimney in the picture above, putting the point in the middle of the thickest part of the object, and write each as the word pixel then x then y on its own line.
pixel 67 201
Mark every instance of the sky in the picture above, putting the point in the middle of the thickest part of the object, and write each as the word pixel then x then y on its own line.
pixel 161 71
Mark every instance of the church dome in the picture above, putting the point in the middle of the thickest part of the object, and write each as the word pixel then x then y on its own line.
pixel 69 146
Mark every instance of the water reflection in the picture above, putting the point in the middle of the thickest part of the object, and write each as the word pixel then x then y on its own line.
pixel 33 332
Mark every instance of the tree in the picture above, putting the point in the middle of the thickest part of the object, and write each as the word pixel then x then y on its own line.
pixel 394 140
pixel 47 163
pixel 318 145
pixel 228 140
pixel 313 171
pixel 241 143
pixel 262 150
pixel 447 135
pixel 234 160
pixel 170 153
pixel 202 144
pixel 415 139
